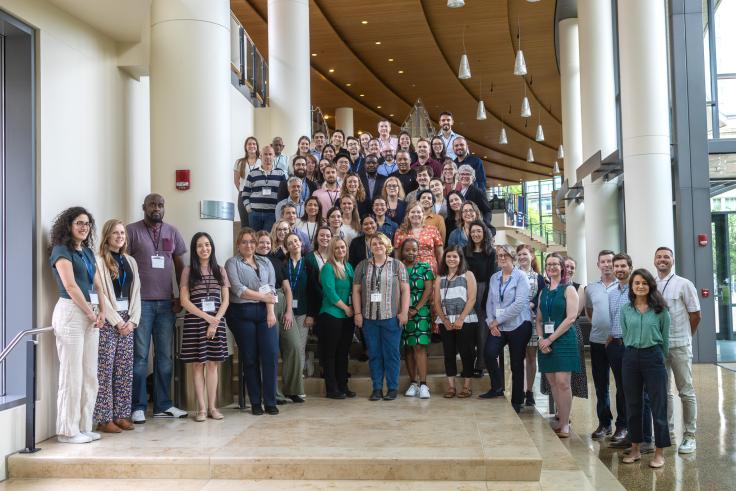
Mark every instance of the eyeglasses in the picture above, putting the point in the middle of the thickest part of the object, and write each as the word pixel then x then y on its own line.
pixel 249 242
pixel 503 256
pixel 82 224
pixel 469 211
pixel 554 265
pixel 282 229
pixel 392 186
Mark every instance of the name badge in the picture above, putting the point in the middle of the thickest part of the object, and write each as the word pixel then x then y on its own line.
pixel 266 191
pixel 499 312
pixel 549 327
pixel 157 262
pixel 375 297
pixel 295 304
pixel 208 306
pixel 93 299
pixel 122 304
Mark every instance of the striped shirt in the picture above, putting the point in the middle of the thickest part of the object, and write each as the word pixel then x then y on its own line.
pixel 454 297
pixel 617 298
pixel 261 189
pixel 384 280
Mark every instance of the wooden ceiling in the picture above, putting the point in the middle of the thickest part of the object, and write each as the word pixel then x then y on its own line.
pixel 424 40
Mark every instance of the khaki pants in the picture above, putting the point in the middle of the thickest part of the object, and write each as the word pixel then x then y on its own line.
pixel 679 363
pixel 77 342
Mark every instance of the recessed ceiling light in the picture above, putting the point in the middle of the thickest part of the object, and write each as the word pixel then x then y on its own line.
pixel 332 70
pixel 327 116
pixel 362 95
pixel 364 22
pixel 391 115
pixel 348 84
pixel 485 156
pixel 314 54
pixel 390 59
pixel 401 71
pixel 378 42
pixel 378 107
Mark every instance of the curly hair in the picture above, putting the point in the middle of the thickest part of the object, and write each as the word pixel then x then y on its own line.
pixel 61 230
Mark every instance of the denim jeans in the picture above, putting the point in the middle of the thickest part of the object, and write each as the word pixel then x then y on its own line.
pixel 643 369
pixel 383 338
pixel 157 322
pixel 262 220
pixel 601 379
pixel 615 355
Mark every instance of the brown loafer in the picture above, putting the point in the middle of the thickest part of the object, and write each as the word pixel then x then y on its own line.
pixel 124 424
pixel 109 427
pixel 465 393
pixel 450 393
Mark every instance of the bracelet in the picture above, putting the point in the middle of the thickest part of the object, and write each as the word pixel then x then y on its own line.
pixel 357 313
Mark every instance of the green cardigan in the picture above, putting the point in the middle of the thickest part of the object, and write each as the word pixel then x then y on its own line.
pixel 334 289
pixel 645 330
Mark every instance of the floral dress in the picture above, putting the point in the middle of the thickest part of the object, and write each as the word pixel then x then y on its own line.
pixel 418 328
pixel 428 239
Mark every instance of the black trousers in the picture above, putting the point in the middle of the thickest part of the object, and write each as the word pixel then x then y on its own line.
pixel 643 369
pixel 615 354
pixel 335 337
pixel 517 341
pixel 601 376
pixel 462 341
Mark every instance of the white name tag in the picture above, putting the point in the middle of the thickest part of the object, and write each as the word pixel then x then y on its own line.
pixel 122 304
pixel 549 327
pixel 157 262
pixel 266 191
pixel 93 299
pixel 295 304
pixel 208 306
pixel 499 312
pixel 376 297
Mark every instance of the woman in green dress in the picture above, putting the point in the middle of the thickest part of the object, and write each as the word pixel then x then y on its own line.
pixel 417 332
pixel 558 348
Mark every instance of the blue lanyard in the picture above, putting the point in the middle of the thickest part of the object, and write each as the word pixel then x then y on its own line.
pixel 502 289
pixel 121 270
pixel 90 269
pixel 293 280
pixel 548 300
pixel 305 193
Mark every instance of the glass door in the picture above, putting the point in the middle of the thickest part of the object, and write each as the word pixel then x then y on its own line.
pixel 724 276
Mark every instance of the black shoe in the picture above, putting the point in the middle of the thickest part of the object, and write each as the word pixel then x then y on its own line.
pixel 281 401
pixel 625 443
pixel 517 408
pixel 335 395
pixel 491 394
pixel 349 393
pixel 390 395
pixel 256 410
pixel 376 395
pixel 620 434
pixel 478 373
pixel 529 398
pixel 600 432
pixel 272 410
pixel 296 399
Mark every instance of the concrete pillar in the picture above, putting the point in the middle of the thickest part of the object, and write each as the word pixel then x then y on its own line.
pixel 288 69
pixel 645 126
pixel 344 120
pixel 572 138
pixel 190 112
pixel 598 116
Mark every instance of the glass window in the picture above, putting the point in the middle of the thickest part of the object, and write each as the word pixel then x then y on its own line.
pixel 715 204
pixel 725 13
pixel 729 204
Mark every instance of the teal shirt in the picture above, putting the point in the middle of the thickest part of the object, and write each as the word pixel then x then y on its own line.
pixel 645 330
pixel 334 289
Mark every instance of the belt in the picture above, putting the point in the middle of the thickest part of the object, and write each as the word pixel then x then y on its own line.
pixel 618 341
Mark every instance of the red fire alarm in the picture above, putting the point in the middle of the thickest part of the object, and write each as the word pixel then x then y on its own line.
pixel 182 179
pixel 704 292
pixel 702 240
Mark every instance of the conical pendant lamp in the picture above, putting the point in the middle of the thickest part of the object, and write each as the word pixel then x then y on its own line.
pixel 480 114
pixel 455 4
pixel 520 64
pixel 556 169
pixel 540 133
pixel 526 110
pixel 560 152
pixel 529 155
pixel 502 138
pixel 463 73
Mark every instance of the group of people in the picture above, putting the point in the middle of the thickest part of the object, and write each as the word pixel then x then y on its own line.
pixel 382 237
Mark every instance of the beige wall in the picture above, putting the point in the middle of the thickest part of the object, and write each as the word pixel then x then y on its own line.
pixel 93 149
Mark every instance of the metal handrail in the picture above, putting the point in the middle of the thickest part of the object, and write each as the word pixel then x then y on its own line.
pixel 20 336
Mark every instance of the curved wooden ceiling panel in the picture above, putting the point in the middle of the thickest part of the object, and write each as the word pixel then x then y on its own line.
pixel 410 49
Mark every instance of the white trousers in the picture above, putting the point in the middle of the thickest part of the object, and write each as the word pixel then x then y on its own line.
pixel 679 363
pixel 77 342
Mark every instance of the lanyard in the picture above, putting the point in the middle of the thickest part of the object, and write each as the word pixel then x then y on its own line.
pixel 376 282
pixel 90 268
pixel 311 234
pixel 329 196
pixel 121 271
pixel 293 280
pixel 502 289
pixel 305 190
pixel 155 242
pixel 548 301
pixel 668 282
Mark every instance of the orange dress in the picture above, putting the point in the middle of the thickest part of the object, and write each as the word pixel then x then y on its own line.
pixel 428 239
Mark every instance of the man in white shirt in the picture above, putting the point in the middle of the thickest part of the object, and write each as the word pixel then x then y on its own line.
pixel 280 160
pixel 448 136
pixel 318 141
pixel 385 140
pixel 684 306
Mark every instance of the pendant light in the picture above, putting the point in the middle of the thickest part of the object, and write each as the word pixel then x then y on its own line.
pixel 463 72
pixel 526 110
pixel 455 4
pixel 540 131
pixel 529 155
pixel 480 113
pixel 520 62
pixel 560 152
pixel 556 169
pixel 502 138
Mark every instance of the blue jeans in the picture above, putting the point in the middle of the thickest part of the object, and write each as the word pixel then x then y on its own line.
pixel 262 220
pixel 259 349
pixel 601 377
pixel 383 338
pixel 157 322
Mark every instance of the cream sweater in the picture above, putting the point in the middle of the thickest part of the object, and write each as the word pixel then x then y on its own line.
pixel 111 308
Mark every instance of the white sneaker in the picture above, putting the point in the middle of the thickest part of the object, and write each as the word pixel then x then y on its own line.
pixel 424 392
pixel 78 438
pixel 172 412
pixel 94 436
pixel 411 391
pixel 138 417
pixel 688 445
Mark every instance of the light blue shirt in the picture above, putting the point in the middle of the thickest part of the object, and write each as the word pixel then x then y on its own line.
pixel 387 169
pixel 596 298
pixel 617 298
pixel 513 309
pixel 449 151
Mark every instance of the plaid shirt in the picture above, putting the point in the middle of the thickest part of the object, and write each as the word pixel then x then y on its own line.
pixel 617 298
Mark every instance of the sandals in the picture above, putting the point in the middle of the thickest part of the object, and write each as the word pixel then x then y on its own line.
pixel 465 393
pixel 450 393
pixel 201 416
pixel 656 465
pixel 631 460
pixel 215 414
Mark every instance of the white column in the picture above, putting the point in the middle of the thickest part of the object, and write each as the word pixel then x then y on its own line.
pixel 288 69
pixel 344 120
pixel 572 136
pixel 190 112
pixel 598 112
pixel 645 129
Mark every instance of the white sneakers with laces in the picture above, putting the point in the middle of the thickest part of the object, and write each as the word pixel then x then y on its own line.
pixel 138 417
pixel 688 445
pixel 78 438
pixel 172 412
pixel 424 392
pixel 412 390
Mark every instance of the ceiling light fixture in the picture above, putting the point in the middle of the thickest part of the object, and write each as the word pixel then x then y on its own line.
pixel 455 4
pixel 502 138
pixel 362 95
pixel 526 110
pixel 520 62
pixel 560 152
pixel 480 113
pixel 401 71
pixel 390 59
pixel 314 54
pixel 463 73
pixel 391 115
pixel 378 107
pixel 529 155
pixel 332 70
pixel 556 169
pixel 348 84
pixel 378 42
pixel 540 131
pixel 364 22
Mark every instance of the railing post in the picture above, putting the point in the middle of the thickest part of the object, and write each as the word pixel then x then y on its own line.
pixel 30 397
pixel 253 82
pixel 241 43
